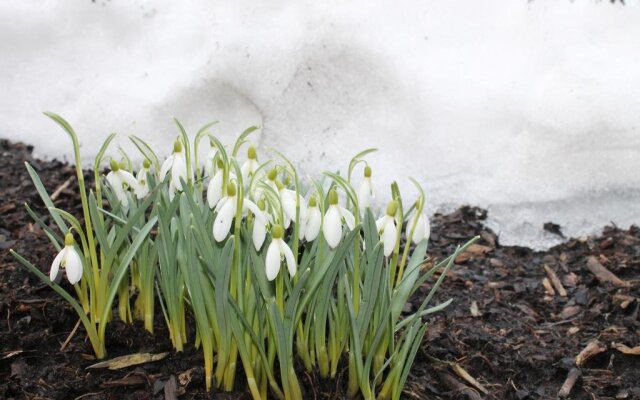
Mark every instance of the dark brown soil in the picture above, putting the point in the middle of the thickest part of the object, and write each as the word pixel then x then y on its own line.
pixel 504 328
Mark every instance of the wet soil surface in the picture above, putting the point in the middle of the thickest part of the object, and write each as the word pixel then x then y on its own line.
pixel 523 324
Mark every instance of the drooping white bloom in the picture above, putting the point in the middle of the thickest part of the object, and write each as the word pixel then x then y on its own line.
pixel 143 186
pixel 69 260
pixel 258 191
pixel 177 165
pixel 120 180
pixel 422 227
pixel 209 162
pixel 214 190
pixel 387 228
pixel 332 224
pixel 276 251
pixel 260 223
pixel 288 201
pixel 366 192
pixel 251 165
pixel 313 222
pixel 226 209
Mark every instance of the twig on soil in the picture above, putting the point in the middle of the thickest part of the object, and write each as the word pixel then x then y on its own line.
pixel 603 274
pixel 568 384
pixel 73 332
pixel 459 387
pixel 632 351
pixel 555 281
pixel 62 187
pixel 594 347
pixel 462 373
pixel 87 395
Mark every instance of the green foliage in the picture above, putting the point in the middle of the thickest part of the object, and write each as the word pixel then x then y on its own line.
pixel 256 299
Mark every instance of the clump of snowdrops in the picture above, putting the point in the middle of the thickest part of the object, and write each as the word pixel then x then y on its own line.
pixel 273 268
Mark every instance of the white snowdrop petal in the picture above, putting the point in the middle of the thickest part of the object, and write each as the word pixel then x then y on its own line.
pixel 208 162
pixel 114 180
pixel 143 188
pixel 364 195
pixel 389 236
pixel 287 223
pixel 214 190
pixel 332 226
pixel 288 256
pixel 245 169
pixel 303 208
pixel 221 203
pixel 418 232
pixel 142 191
pixel 259 234
pixel 427 227
pixel 314 224
pixel 272 262
pixel 178 171
pixel 349 219
pixel 253 207
pixel 127 178
pixel 73 266
pixel 172 191
pixel 166 166
pixel 55 265
pixel 380 222
pixel 288 203
pixel 222 223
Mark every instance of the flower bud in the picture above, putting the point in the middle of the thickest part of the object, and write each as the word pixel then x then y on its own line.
pixel 277 232
pixel 146 163
pixel 367 172
pixel 313 202
pixel 261 205
pixel 219 163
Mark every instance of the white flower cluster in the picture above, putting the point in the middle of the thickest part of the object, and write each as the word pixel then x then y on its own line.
pixel 271 202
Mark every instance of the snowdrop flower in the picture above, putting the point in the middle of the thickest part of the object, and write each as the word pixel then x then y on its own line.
pixel 143 186
pixel 214 190
pixel 120 180
pixel 177 164
pixel 260 223
pixel 257 191
pixel 332 225
pixel 251 165
pixel 69 260
pixel 209 162
pixel 227 208
pixel 387 228
pixel 277 249
pixel 366 193
pixel 313 222
pixel 288 201
pixel 422 227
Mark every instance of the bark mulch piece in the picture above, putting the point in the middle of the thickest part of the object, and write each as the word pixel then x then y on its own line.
pixel 523 324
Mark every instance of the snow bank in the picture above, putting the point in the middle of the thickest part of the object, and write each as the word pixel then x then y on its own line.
pixel 529 108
